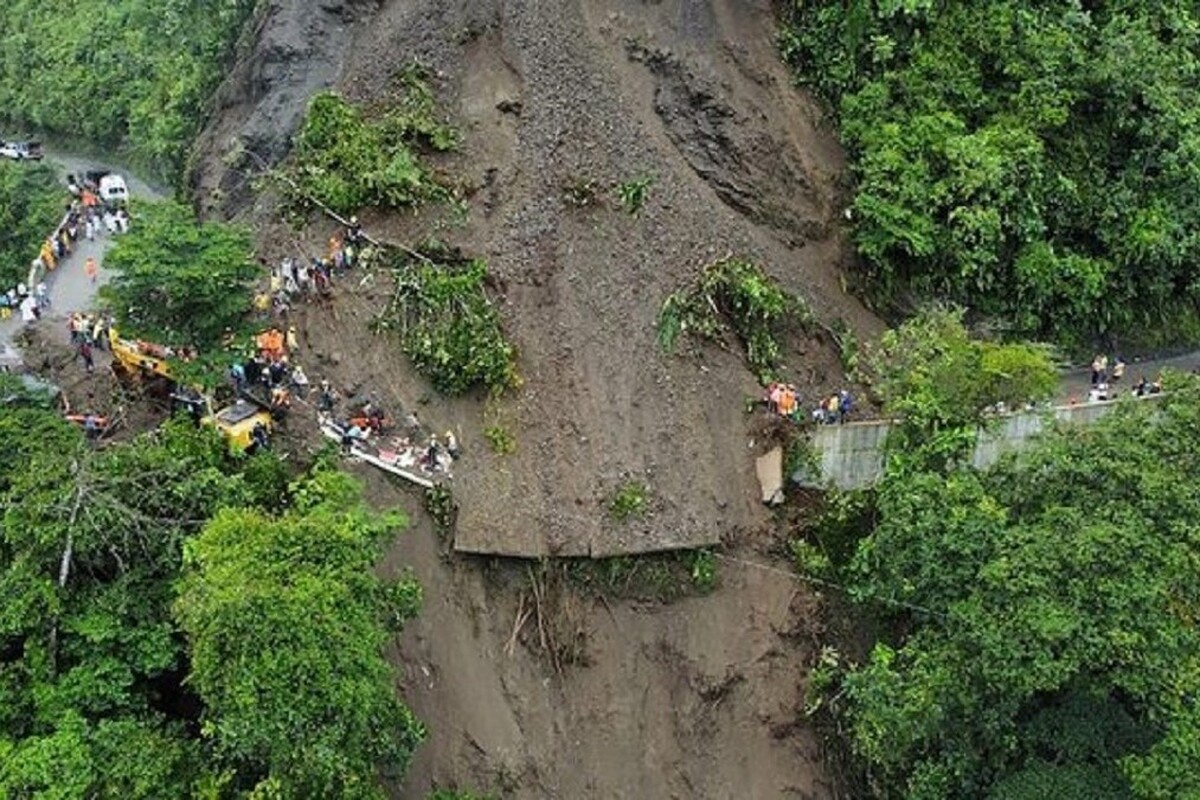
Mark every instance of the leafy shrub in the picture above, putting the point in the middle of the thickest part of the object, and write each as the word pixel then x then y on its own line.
pixel 632 499
pixel 449 327
pixel 347 161
pixel 632 194
pixel 939 381
pixel 500 439
pixel 704 570
pixel 440 503
pixel 733 295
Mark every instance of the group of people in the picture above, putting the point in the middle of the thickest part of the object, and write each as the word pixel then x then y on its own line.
pixel 87 332
pixel 299 279
pixel 20 300
pixel 85 215
pixel 268 371
pixel 783 399
pixel 1102 373
pixel 363 423
pixel 1104 378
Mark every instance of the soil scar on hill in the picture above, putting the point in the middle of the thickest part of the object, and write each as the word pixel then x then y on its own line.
pixel 548 95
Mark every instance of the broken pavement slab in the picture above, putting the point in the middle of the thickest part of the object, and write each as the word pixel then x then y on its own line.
pixel 769 468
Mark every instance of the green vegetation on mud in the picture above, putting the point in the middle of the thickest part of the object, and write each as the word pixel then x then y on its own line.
pixel 631 499
pixel 134 74
pixel 348 160
pixel 734 296
pixel 1032 161
pixel 449 326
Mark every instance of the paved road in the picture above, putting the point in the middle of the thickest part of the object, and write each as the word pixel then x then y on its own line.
pixel 1076 383
pixel 70 289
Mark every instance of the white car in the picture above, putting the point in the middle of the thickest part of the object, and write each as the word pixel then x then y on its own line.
pixel 21 151
pixel 113 191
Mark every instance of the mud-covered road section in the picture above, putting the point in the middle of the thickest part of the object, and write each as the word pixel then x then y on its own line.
pixel 697 699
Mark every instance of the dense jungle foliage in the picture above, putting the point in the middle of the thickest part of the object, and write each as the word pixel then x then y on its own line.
pixel 1034 161
pixel 179 623
pixel 135 74
pixel 32 202
pixel 1038 620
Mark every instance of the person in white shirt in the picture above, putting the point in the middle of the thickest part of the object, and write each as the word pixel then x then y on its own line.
pixel 28 309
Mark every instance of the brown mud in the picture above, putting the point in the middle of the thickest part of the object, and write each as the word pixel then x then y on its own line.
pixel 700 698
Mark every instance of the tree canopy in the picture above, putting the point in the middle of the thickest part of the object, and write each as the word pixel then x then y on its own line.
pixel 1049 645
pixel 937 381
pixel 1034 161
pixel 131 573
pixel 31 203
pixel 178 280
pixel 285 620
pixel 134 73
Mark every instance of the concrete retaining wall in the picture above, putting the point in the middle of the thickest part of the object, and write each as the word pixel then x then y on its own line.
pixel 851 455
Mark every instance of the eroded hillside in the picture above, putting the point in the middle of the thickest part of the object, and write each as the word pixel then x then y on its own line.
pixel 699 698
pixel 554 95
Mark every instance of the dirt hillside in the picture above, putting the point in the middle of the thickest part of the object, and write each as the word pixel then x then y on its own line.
pixel 549 95
pixel 699 698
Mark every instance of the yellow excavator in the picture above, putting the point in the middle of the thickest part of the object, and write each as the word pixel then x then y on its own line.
pixel 243 424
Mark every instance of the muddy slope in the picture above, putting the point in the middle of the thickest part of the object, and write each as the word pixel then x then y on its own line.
pixel 698 699
pixel 552 94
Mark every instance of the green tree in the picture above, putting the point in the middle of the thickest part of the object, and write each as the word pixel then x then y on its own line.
pixel 287 624
pixel 1052 649
pixel 94 696
pixel 178 280
pixel 938 381
pixel 91 702
pixel 31 203
pixel 1032 161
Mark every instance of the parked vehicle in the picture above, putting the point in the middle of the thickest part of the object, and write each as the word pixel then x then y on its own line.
pixel 22 151
pixel 113 191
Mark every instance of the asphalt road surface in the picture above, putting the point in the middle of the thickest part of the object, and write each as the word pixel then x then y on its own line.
pixel 70 289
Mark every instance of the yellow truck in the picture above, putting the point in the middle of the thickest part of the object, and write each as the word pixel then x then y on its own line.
pixel 237 422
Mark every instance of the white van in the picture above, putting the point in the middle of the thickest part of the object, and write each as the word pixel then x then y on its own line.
pixel 113 192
